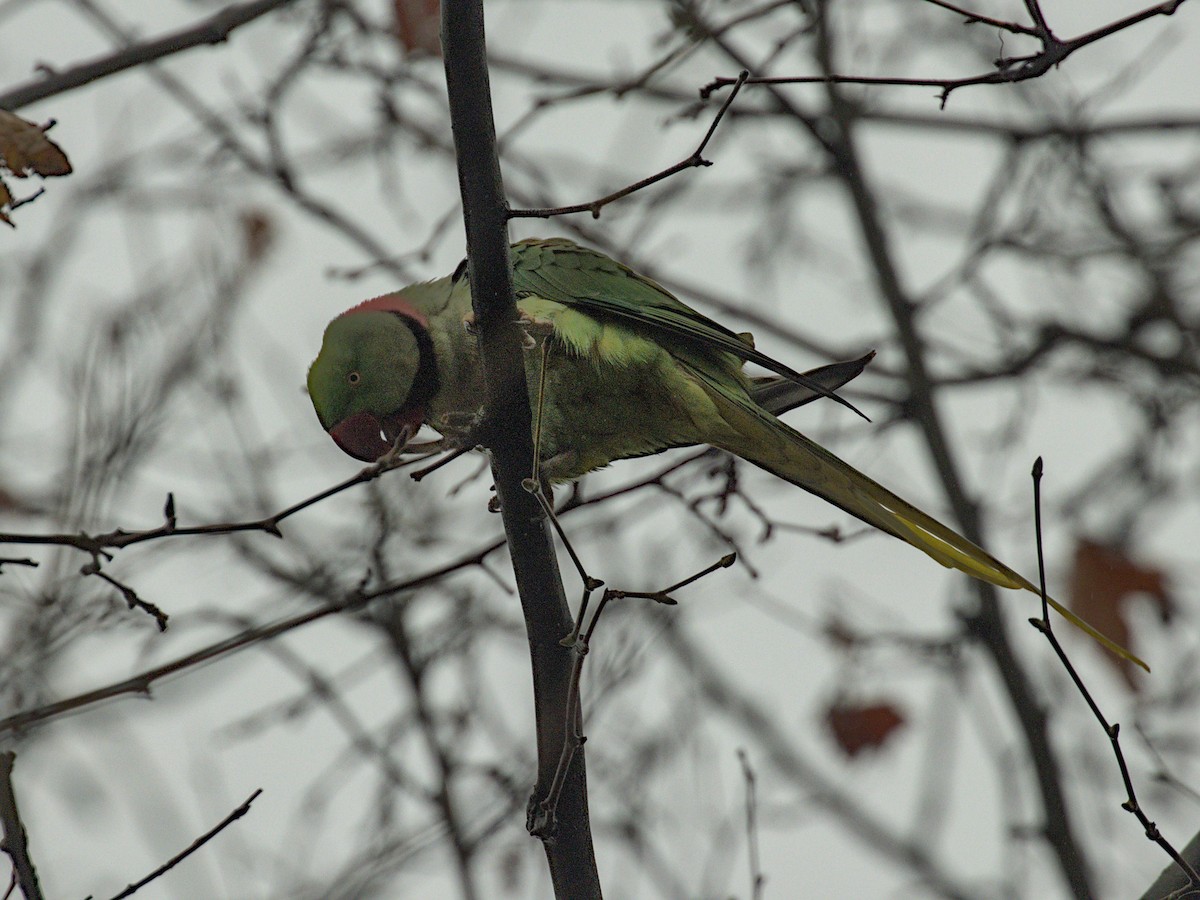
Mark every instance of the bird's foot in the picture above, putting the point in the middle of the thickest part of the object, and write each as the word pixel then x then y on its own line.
pixel 534 331
pixel 558 468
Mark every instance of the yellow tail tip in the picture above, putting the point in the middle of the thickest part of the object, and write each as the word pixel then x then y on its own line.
pixel 1101 639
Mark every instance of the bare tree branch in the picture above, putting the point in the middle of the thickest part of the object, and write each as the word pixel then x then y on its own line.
pixel 1009 70
pixel 1062 189
pixel 191 848
pixel 1113 730
pixel 213 30
pixel 141 683
pixel 569 845
pixel 99 544
pixel 14 843
pixel 691 162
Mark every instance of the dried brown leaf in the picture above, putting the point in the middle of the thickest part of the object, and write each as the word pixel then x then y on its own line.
pixel 855 726
pixel 5 199
pixel 258 233
pixel 1103 580
pixel 418 26
pixel 25 149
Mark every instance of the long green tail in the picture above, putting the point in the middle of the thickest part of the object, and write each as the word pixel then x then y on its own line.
pixel 760 438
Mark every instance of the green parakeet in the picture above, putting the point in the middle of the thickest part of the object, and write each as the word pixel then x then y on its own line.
pixel 630 370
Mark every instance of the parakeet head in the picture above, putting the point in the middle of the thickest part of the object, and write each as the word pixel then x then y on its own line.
pixel 372 377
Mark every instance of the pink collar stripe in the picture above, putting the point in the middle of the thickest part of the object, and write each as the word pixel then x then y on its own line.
pixel 391 303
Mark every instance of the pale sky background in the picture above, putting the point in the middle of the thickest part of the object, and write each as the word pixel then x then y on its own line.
pixel 110 793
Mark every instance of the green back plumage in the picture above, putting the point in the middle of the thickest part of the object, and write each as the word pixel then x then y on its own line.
pixel 561 270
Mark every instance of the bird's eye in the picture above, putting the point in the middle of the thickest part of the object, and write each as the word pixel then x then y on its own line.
pixel 354 378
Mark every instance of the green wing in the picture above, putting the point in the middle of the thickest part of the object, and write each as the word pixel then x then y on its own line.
pixel 777 395
pixel 560 270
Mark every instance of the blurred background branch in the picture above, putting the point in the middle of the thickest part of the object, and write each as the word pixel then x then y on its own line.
pixel 1024 265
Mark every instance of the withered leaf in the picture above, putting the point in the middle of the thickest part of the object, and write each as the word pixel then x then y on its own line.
pixel 25 149
pixel 418 26
pixel 5 199
pixel 857 726
pixel 1103 579
pixel 258 233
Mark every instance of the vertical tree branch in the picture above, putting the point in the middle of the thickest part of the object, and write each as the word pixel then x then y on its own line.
pixel 14 832
pixel 568 842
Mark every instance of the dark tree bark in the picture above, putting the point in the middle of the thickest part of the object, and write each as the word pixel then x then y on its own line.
pixel 568 840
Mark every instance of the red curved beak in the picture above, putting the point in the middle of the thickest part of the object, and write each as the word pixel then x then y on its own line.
pixel 365 437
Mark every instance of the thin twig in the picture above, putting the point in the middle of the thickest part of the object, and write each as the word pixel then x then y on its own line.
pixel 444 460
pixel 974 18
pixel 119 538
pixel 192 848
pixel 757 879
pixel 542 814
pixel 1040 25
pixel 15 843
pixel 1009 70
pixel 537 414
pixel 1113 731
pixel 213 30
pixel 99 545
pixel 130 595
pixel 535 488
pixel 141 683
pixel 664 596
pixel 695 160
